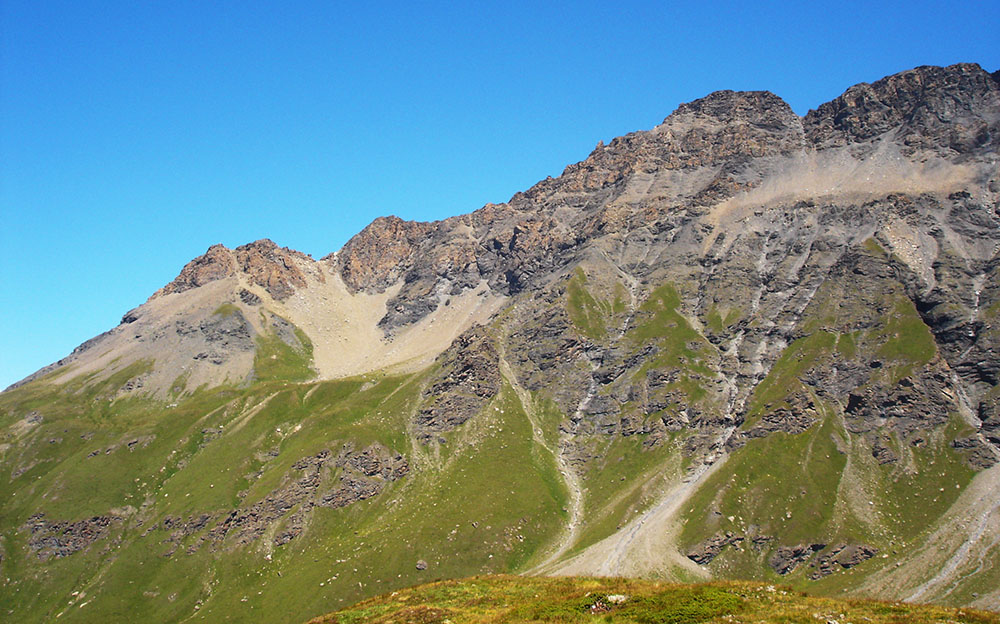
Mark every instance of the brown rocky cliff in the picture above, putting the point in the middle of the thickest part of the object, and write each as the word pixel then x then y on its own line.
pixel 215 264
pixel 379 254
pixel 271 267
pixel 262 261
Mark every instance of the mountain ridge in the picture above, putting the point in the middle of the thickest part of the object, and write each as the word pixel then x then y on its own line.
pixel 384 251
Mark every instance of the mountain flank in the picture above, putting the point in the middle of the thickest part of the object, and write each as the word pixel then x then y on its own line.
pixel 743 344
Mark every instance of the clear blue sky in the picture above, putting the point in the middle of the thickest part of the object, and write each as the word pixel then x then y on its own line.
pixel 133 135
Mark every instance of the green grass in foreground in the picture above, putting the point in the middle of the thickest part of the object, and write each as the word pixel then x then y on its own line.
pixel 564 599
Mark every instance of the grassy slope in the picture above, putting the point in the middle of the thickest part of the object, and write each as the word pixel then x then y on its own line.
pixel 517 599
pixel 483 502
pixel 681 348
pixel 594 307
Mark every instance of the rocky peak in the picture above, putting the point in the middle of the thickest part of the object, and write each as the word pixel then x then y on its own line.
pixel 263 262
pixel 954 108
pixel 946 109
pixel 382 252
pixel 215 264
pixel 271 267
pixel 760 108
pixel 724 126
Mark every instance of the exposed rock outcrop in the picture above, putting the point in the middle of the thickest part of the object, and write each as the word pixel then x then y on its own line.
pixel 381 253
pixel 786 558
pixel 948 110
pixel 60 539
pixel 215 264
pixel 363 475
pixel 323 480
pixel 469 376
pixel 271 267
pixel 797 414
pixel 843 555
pixel 708 550
pixel 914 403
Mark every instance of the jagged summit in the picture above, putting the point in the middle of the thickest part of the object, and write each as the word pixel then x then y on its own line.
pixel 263 262
pixel 741 343
pixel 935 107
pixel 945 109
pixel 756 107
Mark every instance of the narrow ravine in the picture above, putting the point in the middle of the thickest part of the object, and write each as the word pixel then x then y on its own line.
pixel 570 478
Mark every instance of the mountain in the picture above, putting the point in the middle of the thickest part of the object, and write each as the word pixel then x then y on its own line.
pixel 743 344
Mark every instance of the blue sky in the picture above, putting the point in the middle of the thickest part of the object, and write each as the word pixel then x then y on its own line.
pixel 133 135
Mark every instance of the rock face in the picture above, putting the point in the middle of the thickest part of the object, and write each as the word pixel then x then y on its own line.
pixel 222 333
pixel 845 556
pixel 217 263
pixel 468 378
pixel 711 548
pixel 947 110
pixel 262 263
pixel 363 475
pixel 787 558
pixel 378 255
pixel 271 267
